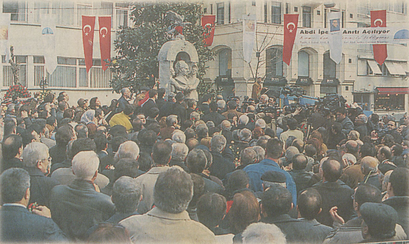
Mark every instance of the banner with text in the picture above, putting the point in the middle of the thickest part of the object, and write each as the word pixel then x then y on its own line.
pixel 368 35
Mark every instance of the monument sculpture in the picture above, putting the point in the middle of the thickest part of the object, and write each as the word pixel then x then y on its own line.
pixel 178 63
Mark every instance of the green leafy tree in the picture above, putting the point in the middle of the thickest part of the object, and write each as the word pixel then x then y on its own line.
pixel 137 64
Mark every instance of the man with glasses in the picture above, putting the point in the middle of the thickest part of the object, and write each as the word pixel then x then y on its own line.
pixel 37 162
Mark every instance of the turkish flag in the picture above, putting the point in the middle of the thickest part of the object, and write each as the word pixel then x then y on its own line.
pixel 105 40
pixel 208 29
pixel 378 19
pixel 88 25
pixel 290 31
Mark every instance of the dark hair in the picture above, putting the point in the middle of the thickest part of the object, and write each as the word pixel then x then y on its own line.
pixel 341 110
pixel 9 126
pixel 128 109
pixel 118 130
pixel 399 180
pixel 173 190
pixel 337 127
pixel 68 113
pixel 386 151
pixel 332 170
pixel 152 93
pixel 309 203
pixel 82 144
pixel 126 194
pixel 81 130
pixel 276 200
pixel 161 153
pixel 397 150
pixel 292 123
pixel 126 167
pixel 98 112
pixel 367 193
pixel 51 120
pixel 109 233
pixel 211 209
pixel 196 161
pixel 145 161
pixel 190 133
pixel 49 98
pixel 368 149
pixel 147 137
pixel 63 135
pixel 232 104
pixel 62 105
pixel 198 189
pixel 10 146
pixel 161 92
pixel 238 180
pixel 116 142
pixel 100 141
pixel 244 211
pixel 14 183
pixel 213 106
pixel 153 112
pixel 299 161
pixel 92 102
pixel 274 148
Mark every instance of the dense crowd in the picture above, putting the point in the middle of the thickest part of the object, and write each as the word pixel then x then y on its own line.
pixel 150 168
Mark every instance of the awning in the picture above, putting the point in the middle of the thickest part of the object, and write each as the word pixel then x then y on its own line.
pixel 374 67
pixel 392 90
pixel 395 68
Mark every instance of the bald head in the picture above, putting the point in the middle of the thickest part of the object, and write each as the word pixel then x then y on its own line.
pixel 352 147
pixel 368 164
pixel 331 170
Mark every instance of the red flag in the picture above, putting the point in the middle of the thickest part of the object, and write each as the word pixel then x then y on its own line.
pixel 290 31
pixel 105 40
pixel 208 29
pixel 378 19
pixel 179 29
pixel 88 24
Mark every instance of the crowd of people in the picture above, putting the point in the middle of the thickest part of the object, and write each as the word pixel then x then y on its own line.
pixel 162 169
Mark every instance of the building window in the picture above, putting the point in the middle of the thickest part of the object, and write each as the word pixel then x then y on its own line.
pixel 225 62
pixel 303 64
pixel 220 13
pixel 330 67
pixel 83 9
pixel 99 78
pixel 363 101
pixel 326 90
pixel 265 13
pixel 64 10
pixel 40 9
pixel 121 15
pixel 229 12
pixel 107 9
pixel 276 12
pixel 306 16
pixel 8 74
pixel 65 75
pixel 390 101
pixel 287 8
pixel 274 63
pixel 39 68
pixel 17 10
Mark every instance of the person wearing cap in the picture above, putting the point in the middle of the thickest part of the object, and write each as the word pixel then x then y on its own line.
pixel 350 232
pixel 379 222
pixel 124 99
pixel 178 108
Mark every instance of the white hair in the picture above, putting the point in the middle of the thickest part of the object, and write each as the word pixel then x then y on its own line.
pixel 221 104
pixel 261 123
pixel 350 158
pixel 85 164
pixel 34 152
pixel 194 115
pixel 243 119
pixel 263 233
pixel 226 125
pixel 179 151
pixel 245 135
pixel 128 149
pixel 179 136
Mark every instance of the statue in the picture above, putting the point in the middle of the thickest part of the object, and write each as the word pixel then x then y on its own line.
pixel 185 80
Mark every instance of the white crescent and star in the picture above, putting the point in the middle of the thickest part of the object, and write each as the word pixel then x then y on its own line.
pixel 377 20
pixel 85 29
pixel 291 24
pixel 106 31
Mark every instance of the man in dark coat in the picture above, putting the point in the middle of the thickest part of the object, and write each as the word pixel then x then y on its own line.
pixel 123 100
pixel 204 106
pixel 78 206
pixel 214 116
pixel 221 165
pixel 346 122
pixel 179 109
pixel 276 204
pixel 150 103
pixel 398 190
pixel 17 223
pixel 12 148
pixel 302 178
pixel 37 163
pixel 333 193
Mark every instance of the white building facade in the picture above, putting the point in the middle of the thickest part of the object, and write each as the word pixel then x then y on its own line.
pixel 382 89
pixel 70 75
